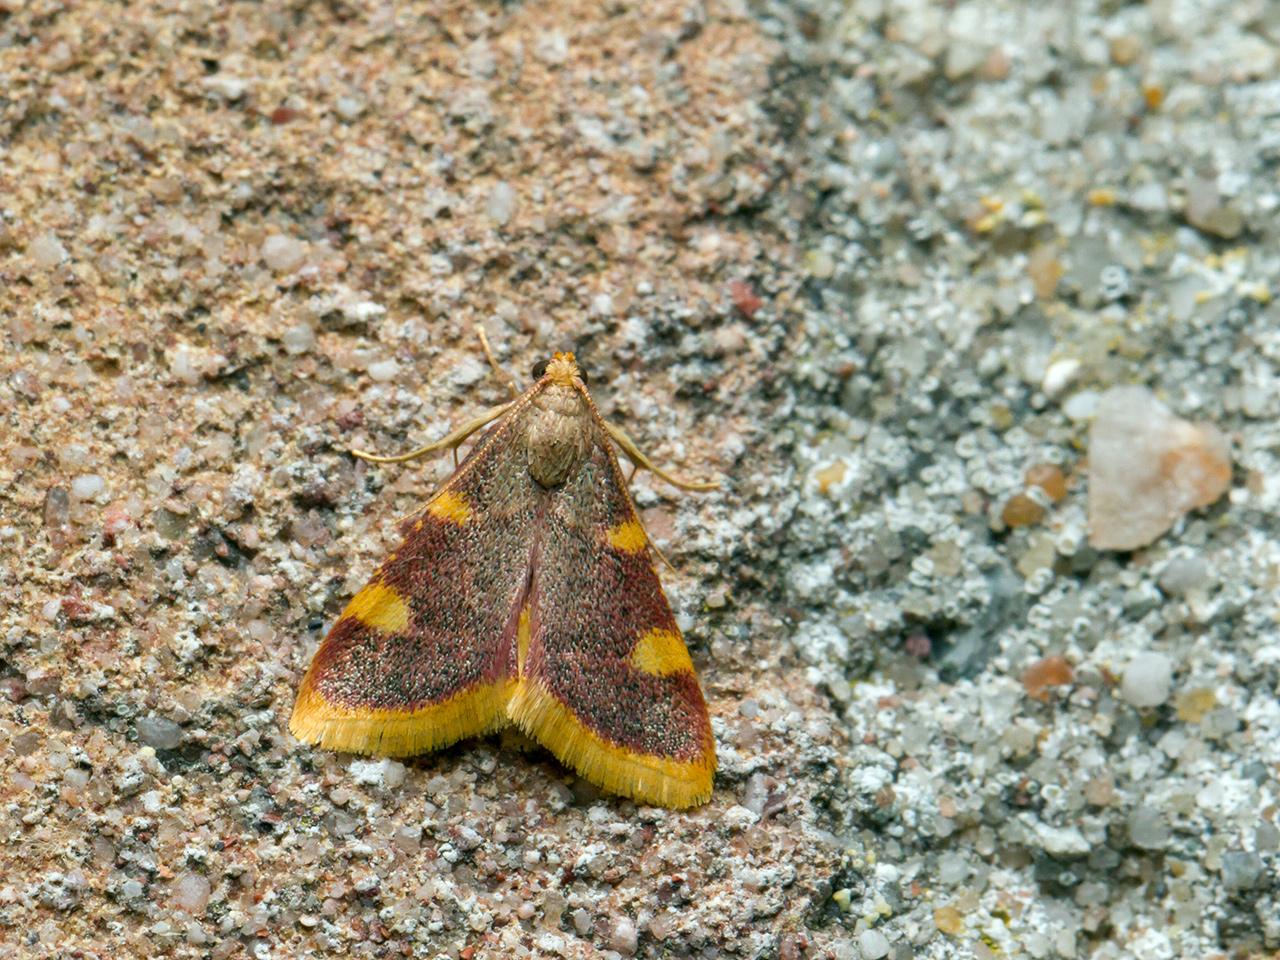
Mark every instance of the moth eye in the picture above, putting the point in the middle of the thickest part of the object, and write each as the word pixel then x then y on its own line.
pixel 539 370
pixel 582 375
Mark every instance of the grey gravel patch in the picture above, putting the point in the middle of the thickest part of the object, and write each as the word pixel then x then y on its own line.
pixel 1008 210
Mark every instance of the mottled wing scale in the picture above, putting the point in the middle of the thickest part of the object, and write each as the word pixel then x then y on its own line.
pixel 424 654
pixel 606 681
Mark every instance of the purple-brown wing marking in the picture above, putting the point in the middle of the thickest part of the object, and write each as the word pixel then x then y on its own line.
pixel 424 654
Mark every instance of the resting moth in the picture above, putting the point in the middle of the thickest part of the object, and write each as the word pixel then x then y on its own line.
pixel 524 592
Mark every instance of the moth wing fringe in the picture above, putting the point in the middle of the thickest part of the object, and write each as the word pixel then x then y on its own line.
pixel 647 778
pixel 397 733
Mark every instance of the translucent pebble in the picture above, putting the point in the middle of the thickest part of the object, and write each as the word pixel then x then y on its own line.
pixel 57 508
pixel 1147 468
pixel 1048 477
pixel 47 250
pixel 501 205
pixel 1241 870
pixel 952 868
pixel 73 455
pixel 191 892
pixel 87 487
pixel 349 108
pixel 1046 673
pixel 949 920
pixel 299 339
pixel 384 371
pixel 1183 574
pixel 159 733
pixel 1147 680
pixel 1267 836
pixel 1021 511
pixel 1147 828
pixel 282 253
pixel 623 937
pixel 1081 406
pixel 873 944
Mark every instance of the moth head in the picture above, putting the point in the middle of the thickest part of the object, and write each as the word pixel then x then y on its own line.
pixel 561 369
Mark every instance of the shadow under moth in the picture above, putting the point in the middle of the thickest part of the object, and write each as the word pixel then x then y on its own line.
pixel 523 593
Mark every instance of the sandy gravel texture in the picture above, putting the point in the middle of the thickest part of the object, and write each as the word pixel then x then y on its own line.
pixel 239 239
pixel 873 262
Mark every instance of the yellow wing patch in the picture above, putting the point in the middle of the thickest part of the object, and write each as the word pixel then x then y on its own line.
pixel 661 653
pixel 379 607
pixel 629 537
pixel 451 507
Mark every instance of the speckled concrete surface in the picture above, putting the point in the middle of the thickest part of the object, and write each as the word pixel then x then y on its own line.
pixel 875 262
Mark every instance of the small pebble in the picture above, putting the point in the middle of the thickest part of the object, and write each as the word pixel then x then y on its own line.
pixel 1081 406
pixel 1182 575
pixel 299 339
pixel 87 487
pixel 501 205
pixel 1147 468
pixel 819 264
pixel 1192 705
pixel 57 508
pixel 283 254
pixel 602 305
pixel 1147 828
pixel 1046 673
pixel 47 251
pixel 191 892
pixel 1241 870
pixel 949 921
pixel 385 773
pixel 1206 211
pixel 1147 680
pixel 159 732
pixel 623 937
pixel 349 108
pixel 1048 477
pixel 873 944
pixel 1021 511
pixel 384 371
pixel 1267 837
pixel 1099 791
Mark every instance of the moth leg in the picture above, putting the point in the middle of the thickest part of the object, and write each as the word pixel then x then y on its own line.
pixel 451 440
pixel 493 362
pixel 638 458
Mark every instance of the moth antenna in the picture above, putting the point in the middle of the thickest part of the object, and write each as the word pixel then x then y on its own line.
pixel 637 457
pixel 661 556
pixel 450 440
pixel 507 378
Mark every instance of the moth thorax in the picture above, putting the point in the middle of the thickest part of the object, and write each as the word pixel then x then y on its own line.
pixel 559 435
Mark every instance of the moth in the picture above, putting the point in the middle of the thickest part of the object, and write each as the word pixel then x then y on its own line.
pixel 523 593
